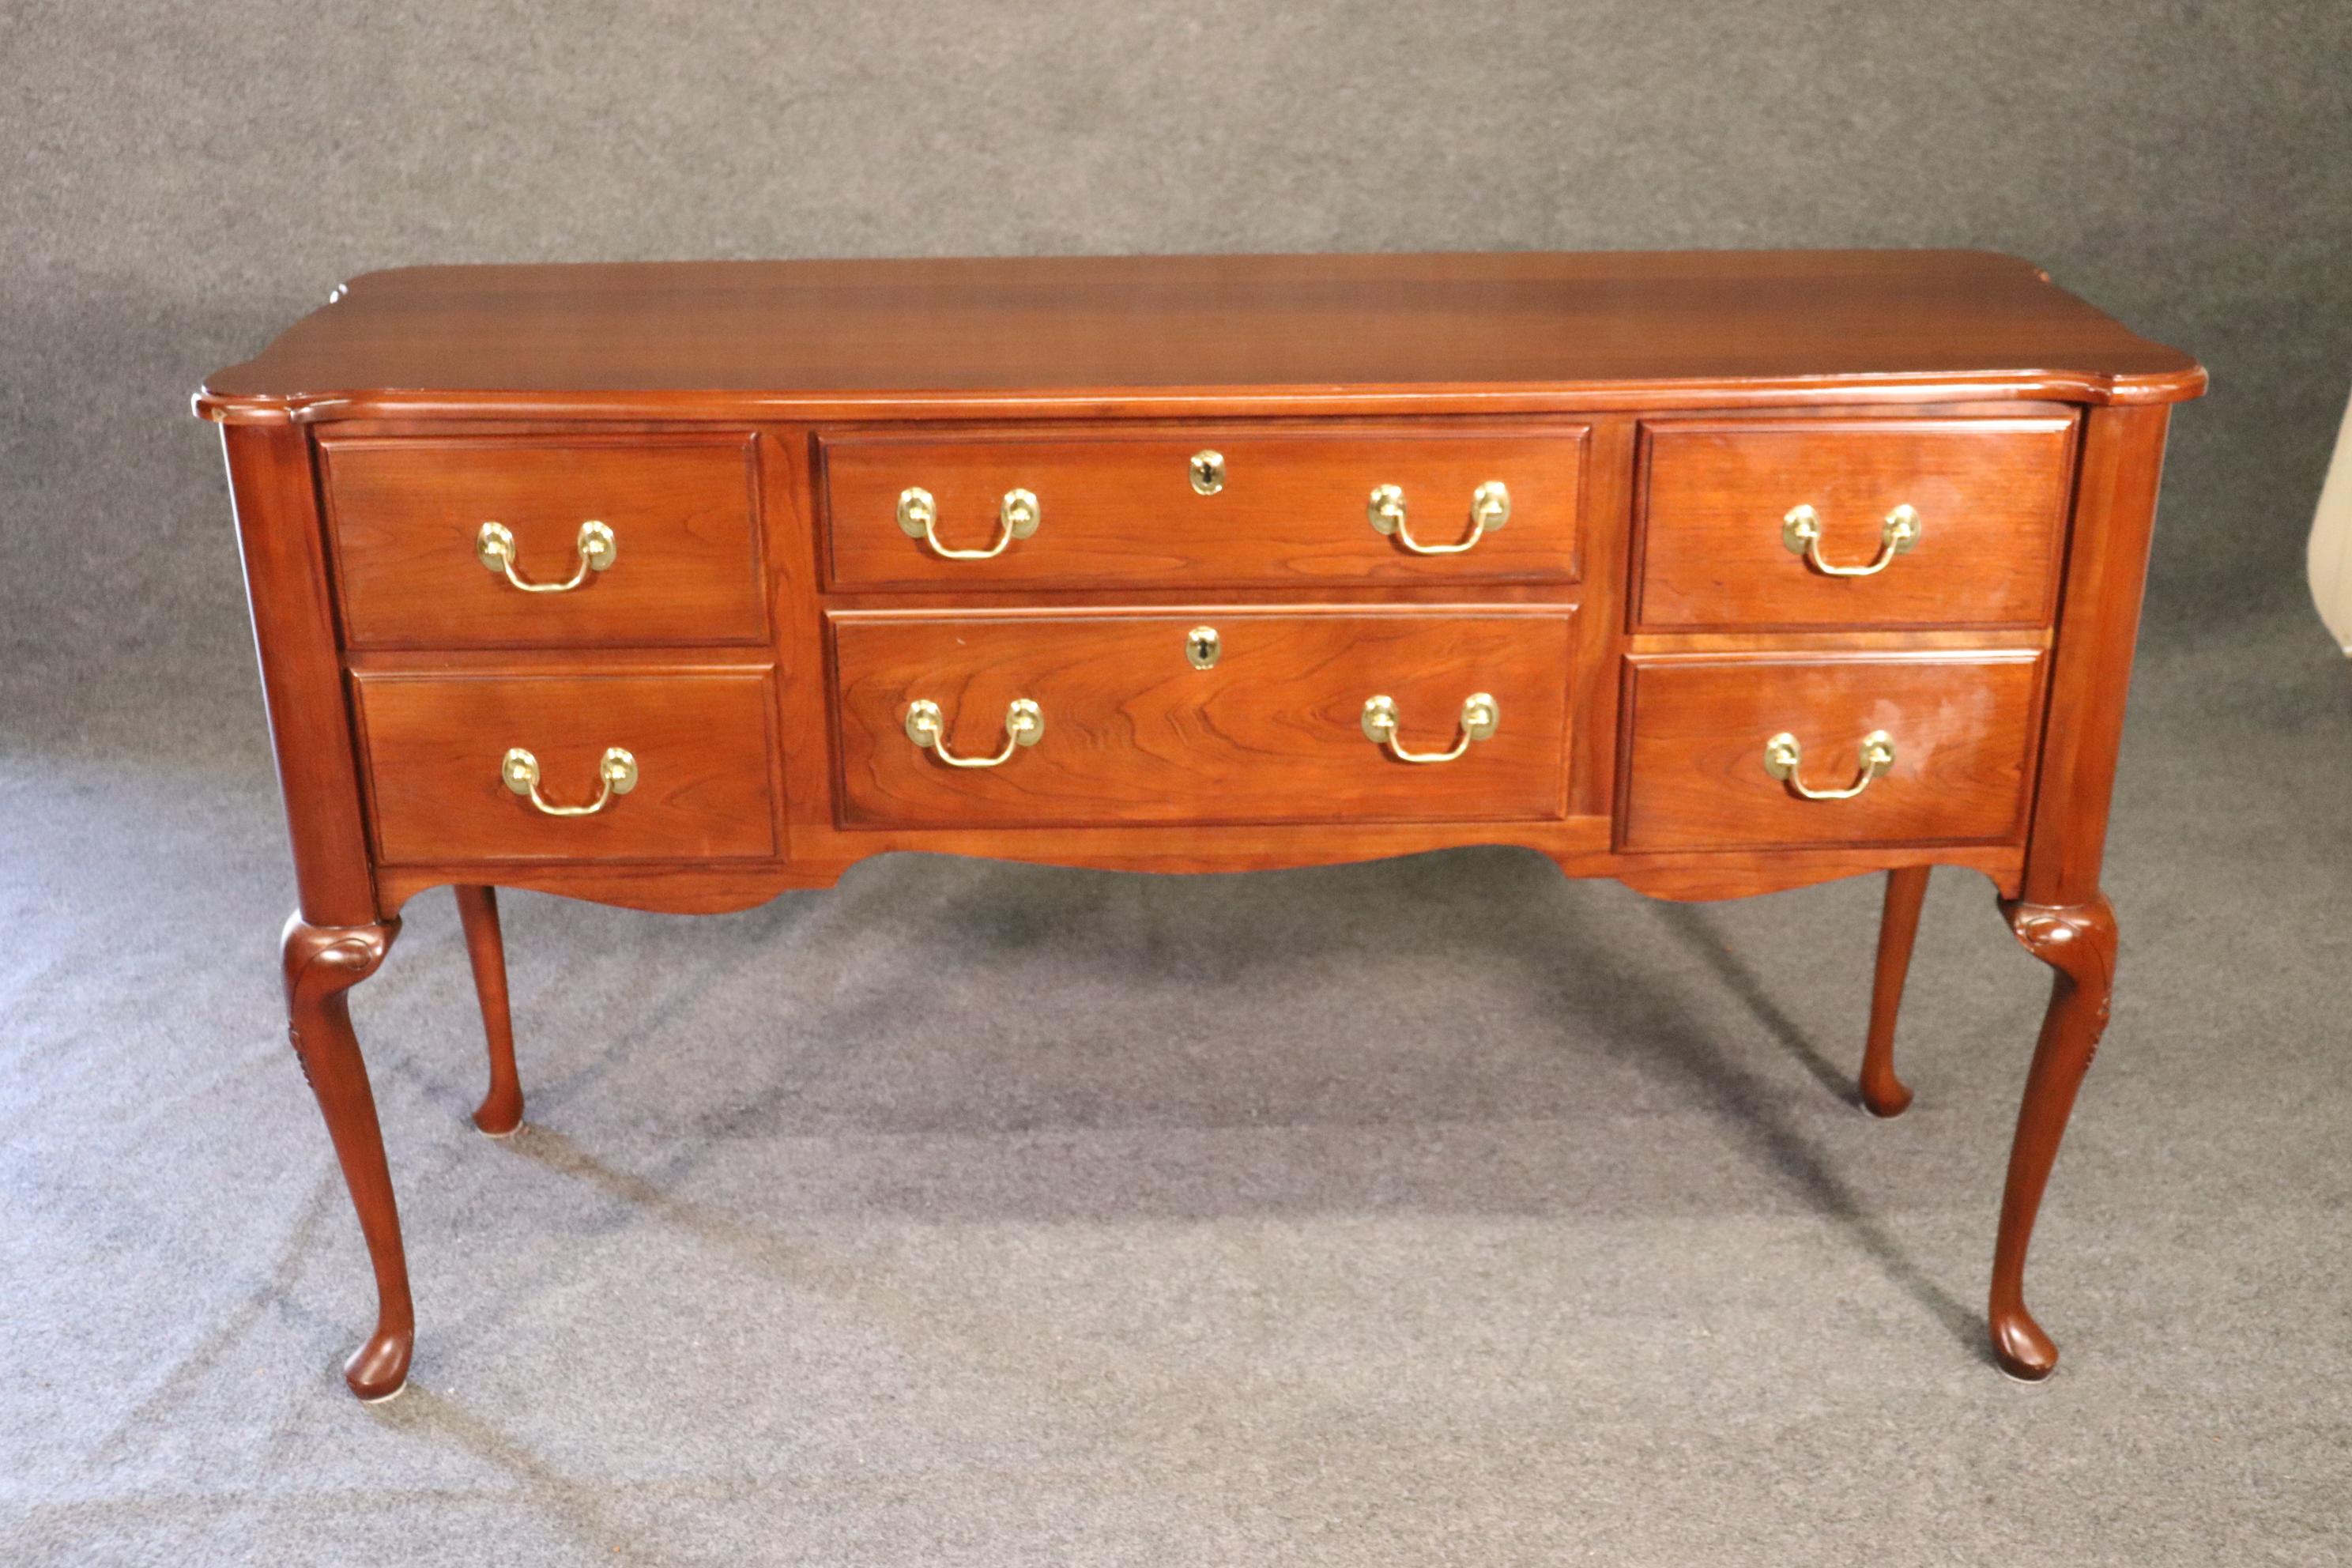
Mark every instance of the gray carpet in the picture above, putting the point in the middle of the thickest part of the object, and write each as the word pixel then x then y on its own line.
pixel 1434 1211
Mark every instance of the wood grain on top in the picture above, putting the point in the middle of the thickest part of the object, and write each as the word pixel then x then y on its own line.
pixel 1136 327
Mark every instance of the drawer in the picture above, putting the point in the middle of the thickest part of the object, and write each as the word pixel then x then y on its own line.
pixel 1281 509
pixel 1961 728
pixel 435 747
pixel 1272 730
pixel 407 518
pixel 1987 496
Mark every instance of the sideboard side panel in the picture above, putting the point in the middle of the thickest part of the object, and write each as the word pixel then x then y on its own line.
pixel 286 584
pixel 2098 627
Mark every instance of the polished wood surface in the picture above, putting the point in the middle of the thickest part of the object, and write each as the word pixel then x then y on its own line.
pixel 746 428
pixel 1695 778
pixel 2098 628
pixel 574 338
pixel 1273 732
pixel 500 1111
pixel 287 588
pixel 701 740
pixel 1883 1093
pixel 1578 847
pixel 321 963
pixel 1120 509
pixel 404 516
pixel 2078 943
pixel 1990 494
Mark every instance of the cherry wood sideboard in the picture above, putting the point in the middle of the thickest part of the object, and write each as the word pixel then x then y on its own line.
pixel 675 585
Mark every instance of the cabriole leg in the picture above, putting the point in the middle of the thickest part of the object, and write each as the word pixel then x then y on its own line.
pixel 1884 1094
pixel 2077 940
pixel 324 963
pixel 500 1111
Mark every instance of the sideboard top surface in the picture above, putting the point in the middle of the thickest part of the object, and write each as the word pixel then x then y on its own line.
pixel 698 337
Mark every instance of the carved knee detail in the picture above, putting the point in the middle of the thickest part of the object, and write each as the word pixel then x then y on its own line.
pixel 2078 940
pixel 322 960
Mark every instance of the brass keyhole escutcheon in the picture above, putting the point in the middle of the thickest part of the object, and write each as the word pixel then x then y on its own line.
pixel 1208 472
pixel 1202 647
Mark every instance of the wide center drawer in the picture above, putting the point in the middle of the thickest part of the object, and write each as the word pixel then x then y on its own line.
pixel 1212 505
pixel 1209 716
pixel 599 540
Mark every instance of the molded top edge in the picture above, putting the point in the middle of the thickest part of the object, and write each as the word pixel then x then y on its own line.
pixel 712 339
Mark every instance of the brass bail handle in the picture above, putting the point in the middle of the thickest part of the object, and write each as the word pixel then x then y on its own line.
pixel 1801 532
pixel 616 771
pixel 494 547
pixel 1480 718
pixel 1024 725
pixel 1017 516
pixel 1490 508
pixel 1783 756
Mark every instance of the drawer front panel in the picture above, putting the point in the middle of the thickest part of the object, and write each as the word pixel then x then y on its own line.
pixel 407 516
pixel 1288 509
pixel 702 742
pixel 1961 729
pixel 1989 497
pixel 1133 733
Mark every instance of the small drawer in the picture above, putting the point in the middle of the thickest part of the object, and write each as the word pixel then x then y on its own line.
pixel 680 512
pixel 700 744
pixel 1908 523
pixel 1213 716
pixel 1702 769
pixel 1230 507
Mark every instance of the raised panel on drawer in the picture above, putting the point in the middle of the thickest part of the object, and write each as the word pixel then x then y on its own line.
pixel 702 740
pixel 1963 727
pixel 405 512
pixel 1991 496
pixel 1119 508
pixel 1272 732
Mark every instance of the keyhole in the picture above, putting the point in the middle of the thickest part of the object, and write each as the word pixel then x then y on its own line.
pixel 1207 472
pixel 1202 646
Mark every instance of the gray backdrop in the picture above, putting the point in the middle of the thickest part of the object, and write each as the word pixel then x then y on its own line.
pixel 1434 1210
